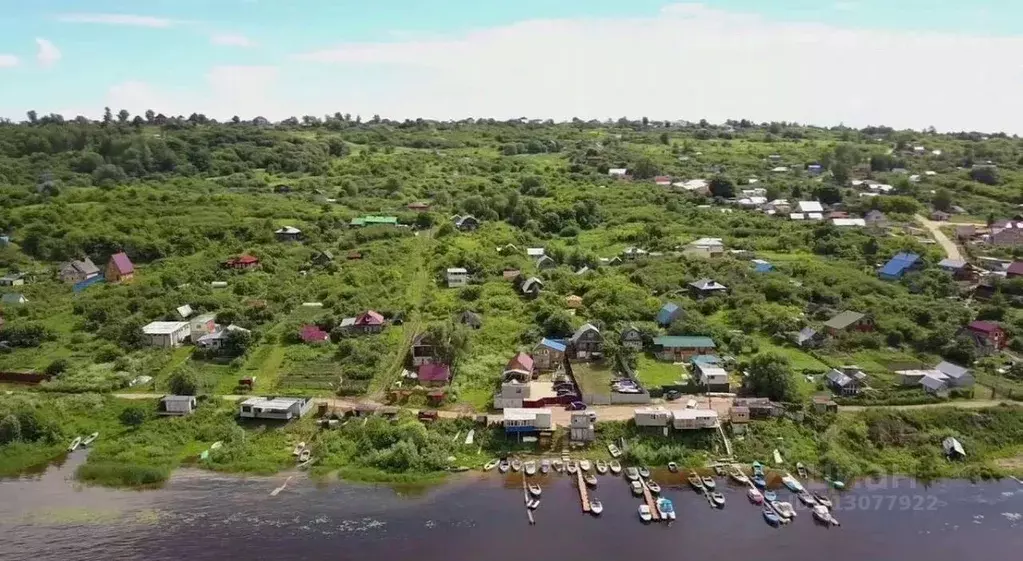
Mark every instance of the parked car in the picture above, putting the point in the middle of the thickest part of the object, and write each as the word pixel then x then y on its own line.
pixel 672 395
pixel 576 406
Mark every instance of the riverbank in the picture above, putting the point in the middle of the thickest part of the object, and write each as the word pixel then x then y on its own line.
pixel 145 451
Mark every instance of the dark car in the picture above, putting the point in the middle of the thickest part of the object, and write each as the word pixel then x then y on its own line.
pixel 575 406
pixel 672 395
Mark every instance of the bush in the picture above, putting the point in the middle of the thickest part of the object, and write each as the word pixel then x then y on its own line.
pixel 116 474
pixel 57 367
pixel 133 416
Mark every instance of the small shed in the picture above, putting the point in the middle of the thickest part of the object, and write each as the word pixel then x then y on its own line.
pixel 953 448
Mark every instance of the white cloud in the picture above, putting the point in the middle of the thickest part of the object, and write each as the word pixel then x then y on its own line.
pixel 231 40
pixel 8 61
pixel 228 90
pixel 119 19
pixel 689 61
pixel 48 53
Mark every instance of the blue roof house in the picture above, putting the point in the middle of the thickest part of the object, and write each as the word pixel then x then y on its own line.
pixel 761 266
pixel 898 265
pixel 668 313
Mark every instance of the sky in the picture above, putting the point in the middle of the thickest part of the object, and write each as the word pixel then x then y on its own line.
pixel 901 63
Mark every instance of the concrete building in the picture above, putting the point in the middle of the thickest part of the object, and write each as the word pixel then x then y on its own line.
pixel 694 419
pixel 275 408
pixel 176 405
pixel 652 417
pixel 512 394
pixel 527 420
pixel 457 277
pixel 166 334
pixel 711 376
pixel 581 427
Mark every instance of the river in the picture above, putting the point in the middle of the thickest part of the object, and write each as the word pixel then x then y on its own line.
pixel 199 516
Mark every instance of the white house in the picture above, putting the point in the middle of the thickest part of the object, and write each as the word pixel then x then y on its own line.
pixel 580 428
pixel 694 185
pixel 618 172
pixel 535 252
pixel 849 222
pixel 705 247
pixel 202 324
pixel 810 206
pixel 652 417
pixel 512 394
pixel 527 420
pixel 166 334
pixel 693 419
pixel 457 277
pixel 276 408
pixel 177 405
pixel 713 377
pixel 215 341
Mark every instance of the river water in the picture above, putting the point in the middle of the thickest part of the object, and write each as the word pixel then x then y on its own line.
pixel 199 516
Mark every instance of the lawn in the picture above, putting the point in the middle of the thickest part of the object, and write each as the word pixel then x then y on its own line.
pixel 593 378
pixel 797 358
pixel 653 373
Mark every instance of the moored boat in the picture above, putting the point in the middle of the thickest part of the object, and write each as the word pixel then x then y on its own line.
pixel 784 509
pixel 596 507
pixel 545 466
pixel 801 470
pixel 708 482
pixel 601 466
pixel 755 496
pixel 590 479
pixel 490 465
pixel 823 515
pixel 822 499
pixel 672 467
pixel 637 487
pixel 739 477
pixel 615 467
pixel 516 464
pixel 644 471
pixel 791 483
pixel 216 445
pixel 758 469
pixel 304 456
pixel 838 485
pixel 770 496
pixel 459 469
pixel 533 504
pixel 718 499
pixel 530 467
pixel 90 439
pixel 558 466
pixel 719 470
pixel 535 490
pixel 584 465
pixel 571 466
pixel 632 473
pixel 777 458
pixel 806 498
pixel 653 486
pixel 503 466
pixel 74 444
pixel 614 451
pixel 665 509
pixel 759 481
pixel 696 482
pixel 644 513
pixel 770 517
pixel 298 449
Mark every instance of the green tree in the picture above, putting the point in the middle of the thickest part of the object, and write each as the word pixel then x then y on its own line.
pixel 841 173
pixel 10 430
pixel 722 186
pixel 57 366
pixel 450 341
pixel 133 416
pixel 942 199
pixel 122 116
pixel 665 139
pixel 770 375
pixel 645 168
pixel 829 194
pixel 183 382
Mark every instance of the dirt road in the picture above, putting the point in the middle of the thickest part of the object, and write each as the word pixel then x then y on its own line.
pixel 977 404
pixel 951 249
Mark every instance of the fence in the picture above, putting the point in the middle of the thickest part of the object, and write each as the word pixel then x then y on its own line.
pixel 80 286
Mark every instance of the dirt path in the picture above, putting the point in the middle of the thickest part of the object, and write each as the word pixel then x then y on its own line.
pixel 974 404
pixel 951 249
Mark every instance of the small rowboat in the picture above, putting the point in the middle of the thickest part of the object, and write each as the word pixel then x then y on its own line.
pixel 298 449
pixel 758 469
pixel 615 467
pixel 584 465
pixel 653 486
pixel 558 466
pixel 801 470
pixel 631 473
pixel 771 518
pixel 696 482
pixel 614 451
pixel 516 464
pixel 791 483
pixel 571 466
pixel 601 466
pixel 770 496
pixel 708 482
pixel 533 504
pixel 755 496
pixel 490 465
pixel 596 507
pixel 590 479
pixel 530 467
pixel 739 476
pixel 304 456
pixel 90 439
pixel 216 445
pixel 718 499
pixel 672 467
pixel 719 471
pixel 822 499
pixel 806 498
pixel 535 490
pixel 838 485
pixel 644 472
pixel 74 444
pixel 759 481
pixel 503 466
pixel 545 466
pixel 823 515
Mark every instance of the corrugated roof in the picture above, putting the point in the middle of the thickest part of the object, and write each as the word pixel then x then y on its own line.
pixel 121 262
pixel 684 342
pixel 844 319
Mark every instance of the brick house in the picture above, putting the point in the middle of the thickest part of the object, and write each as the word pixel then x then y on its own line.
pixel 988 336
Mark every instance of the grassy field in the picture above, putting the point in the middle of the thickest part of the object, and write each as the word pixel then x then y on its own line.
pixel 593 378
pixel 653 373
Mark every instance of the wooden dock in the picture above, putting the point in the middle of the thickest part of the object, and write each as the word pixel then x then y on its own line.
pixel 649 497
pixel 584 494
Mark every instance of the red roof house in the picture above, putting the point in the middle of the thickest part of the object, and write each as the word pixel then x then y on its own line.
pixel 369 322
pixel 1015 269
pixel 434 374
pixel 313 334
pixel 987 335
pixel 242 262
pixel 419 206
pixel 520 365
pixel 119 268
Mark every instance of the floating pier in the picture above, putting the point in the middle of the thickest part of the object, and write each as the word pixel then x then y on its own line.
pixel 584 495
pixel 649 497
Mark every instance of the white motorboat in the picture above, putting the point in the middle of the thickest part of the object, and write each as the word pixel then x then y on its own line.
pixel 783 509
pixel 74 444
pixel 653 486
pixel 708 482
pixel 535 490
pixel 530 467
pixel 718 499
pixel 644 472
pixel 590 479
pixel 584 465
pixel 596 507
pixel 632 473
pixel 822 500
pixel 298 449
pixel 558 466
pixel 822 514
pixel 791 483
pixel 637 487
pixel 90 439
pixel 644 513
pixel 665 509
pixel 571 466
pixel 615 467
pixel 490 465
